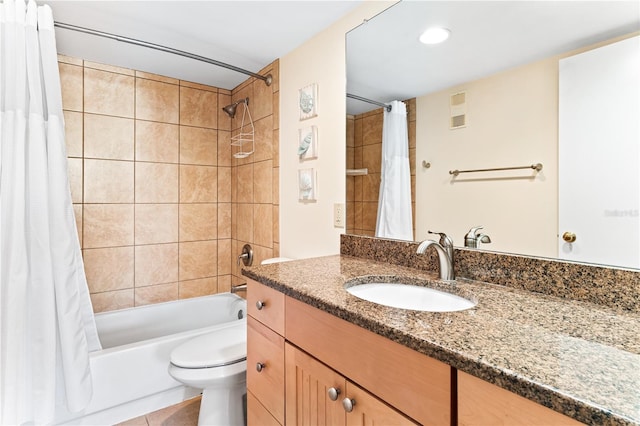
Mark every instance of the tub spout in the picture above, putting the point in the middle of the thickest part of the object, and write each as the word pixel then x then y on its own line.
pixel 239 287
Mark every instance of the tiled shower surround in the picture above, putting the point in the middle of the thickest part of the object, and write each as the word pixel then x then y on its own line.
pixel 161 204
pixel 364 150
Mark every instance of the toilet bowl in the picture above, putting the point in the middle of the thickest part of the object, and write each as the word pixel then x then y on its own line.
pixel 216 362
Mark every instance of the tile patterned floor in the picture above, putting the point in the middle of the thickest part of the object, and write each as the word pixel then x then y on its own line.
pixel 183 414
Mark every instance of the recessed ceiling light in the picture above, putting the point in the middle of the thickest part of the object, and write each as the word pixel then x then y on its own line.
pixel 435 35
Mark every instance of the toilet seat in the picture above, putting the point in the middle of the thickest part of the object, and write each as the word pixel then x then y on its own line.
pixel 219 348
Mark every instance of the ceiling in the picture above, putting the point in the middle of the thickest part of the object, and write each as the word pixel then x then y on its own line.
pixel 246 34
pixel 385 60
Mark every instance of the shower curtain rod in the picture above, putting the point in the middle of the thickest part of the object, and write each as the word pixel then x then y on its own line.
pixel 267 79
pixel 360 98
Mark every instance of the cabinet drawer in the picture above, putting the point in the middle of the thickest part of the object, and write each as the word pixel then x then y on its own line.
pixel 381 366
pixel 482 403
pixel 266 305
pixel 257 415
pixel 265 367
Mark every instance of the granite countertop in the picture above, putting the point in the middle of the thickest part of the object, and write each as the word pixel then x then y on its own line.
pixel 578 358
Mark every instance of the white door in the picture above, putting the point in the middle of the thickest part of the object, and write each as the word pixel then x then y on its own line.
pixel 599 155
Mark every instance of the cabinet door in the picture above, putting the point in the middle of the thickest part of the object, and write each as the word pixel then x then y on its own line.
pixel 369 410
pixel 307 391
pixel 257 415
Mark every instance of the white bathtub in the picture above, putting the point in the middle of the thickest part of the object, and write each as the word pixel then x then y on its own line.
pixel 129 374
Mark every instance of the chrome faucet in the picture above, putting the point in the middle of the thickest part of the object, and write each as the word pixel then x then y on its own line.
pixel 473 238
pixel 445 254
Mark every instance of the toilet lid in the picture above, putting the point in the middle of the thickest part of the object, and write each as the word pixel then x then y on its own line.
pixel 218 348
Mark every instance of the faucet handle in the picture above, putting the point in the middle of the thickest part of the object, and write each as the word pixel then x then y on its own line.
pixel 473 231
pixel 445 240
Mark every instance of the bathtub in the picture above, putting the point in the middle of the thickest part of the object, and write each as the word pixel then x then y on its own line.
pixel 129 374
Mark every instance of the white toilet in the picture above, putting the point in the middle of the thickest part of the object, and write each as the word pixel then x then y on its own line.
pixel 217 363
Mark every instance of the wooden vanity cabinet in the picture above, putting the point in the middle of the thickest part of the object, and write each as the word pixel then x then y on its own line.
pixel 265 355
pixel 483 403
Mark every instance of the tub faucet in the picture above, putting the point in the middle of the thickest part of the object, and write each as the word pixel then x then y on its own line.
pixel 473 237
pixel 445 254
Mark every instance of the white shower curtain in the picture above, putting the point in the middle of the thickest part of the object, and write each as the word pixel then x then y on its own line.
pixel 394 204
pixel 46 319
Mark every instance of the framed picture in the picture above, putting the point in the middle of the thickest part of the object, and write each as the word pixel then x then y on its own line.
pixel 308 102
pixel 308 143
pixel 307 190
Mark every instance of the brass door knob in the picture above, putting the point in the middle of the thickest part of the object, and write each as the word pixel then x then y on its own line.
pixel 569 237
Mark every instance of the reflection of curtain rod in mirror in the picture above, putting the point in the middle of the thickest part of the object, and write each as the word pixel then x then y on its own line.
pixel 360 98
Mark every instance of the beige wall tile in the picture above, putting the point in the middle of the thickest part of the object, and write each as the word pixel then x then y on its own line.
pixel 109 268
pixel 110 68
pixel 224 148
pixel 156 183
pixel 276 223
pixel 275 148
pixel 112 300
pixel 224 283
pixel 275 186
pixel 412 161
pixel 263 182
pixel 77 211
pixel 275 74
pixel 262 102
pixel 350 131
pixel 108 225
pixel 224 257
pixel 261 253
pixel 369 215
pixel 198 146
pixel 198 222
pixel 198 184
pixel 276 110
pixel 157 101
pixel 224 184
pixel 357 132
pixel 276 250
pixel 372 157
pixel 108 137
pixel 108 93
pixel 73 133
pixel 196 288
pixel 156 264
pixel 69 60
pixel 224 121
pixel 157 142
pixel 371 187
pixel 198 259
pixel 157 77
pixel 234 222
pixel 224 220
pixel 72 86
pixel 200 86
pixel 263 224
pixel 358 188
pixel 74 170
pixel 156 294
pixel 245 222
pixel 357 157
pixel 264 139
pixel 372 129
pixel 351 195
pixel 350 158
pixel 198 108
pixel 244 191
pixel 108 181
pixel 156 223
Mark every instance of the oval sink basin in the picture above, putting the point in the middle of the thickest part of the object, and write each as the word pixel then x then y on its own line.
pixel 407 296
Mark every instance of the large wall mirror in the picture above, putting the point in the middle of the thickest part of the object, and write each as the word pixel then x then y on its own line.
pixel 521 73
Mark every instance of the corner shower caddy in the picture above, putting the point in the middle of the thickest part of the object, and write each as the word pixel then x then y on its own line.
pixel 245 139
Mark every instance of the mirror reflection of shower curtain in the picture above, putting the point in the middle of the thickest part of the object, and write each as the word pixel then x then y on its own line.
pixel 46 320
pixel 394 203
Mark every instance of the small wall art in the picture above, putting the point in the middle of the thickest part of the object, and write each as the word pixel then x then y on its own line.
pixel 307 190
pixel 308 102
pixel 308 143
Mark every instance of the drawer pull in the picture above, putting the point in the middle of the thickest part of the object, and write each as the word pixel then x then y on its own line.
pixel 348 404
pixel 333 394
pixel 260 366
pixel 260 304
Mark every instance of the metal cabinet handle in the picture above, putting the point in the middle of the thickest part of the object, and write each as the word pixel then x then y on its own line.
pixel 333 393
pixel 348 404
pixel 260 366
pixel 569 237
pixel 260 304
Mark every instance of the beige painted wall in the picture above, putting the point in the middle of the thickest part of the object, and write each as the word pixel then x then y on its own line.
pixel 307 230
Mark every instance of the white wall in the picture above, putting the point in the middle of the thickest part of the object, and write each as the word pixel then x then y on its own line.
pixel 306 229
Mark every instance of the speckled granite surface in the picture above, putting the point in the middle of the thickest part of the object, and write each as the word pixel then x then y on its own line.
pixel 575 357
pixel 614 287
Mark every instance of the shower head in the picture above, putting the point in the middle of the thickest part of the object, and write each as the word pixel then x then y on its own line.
pixel 231 109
